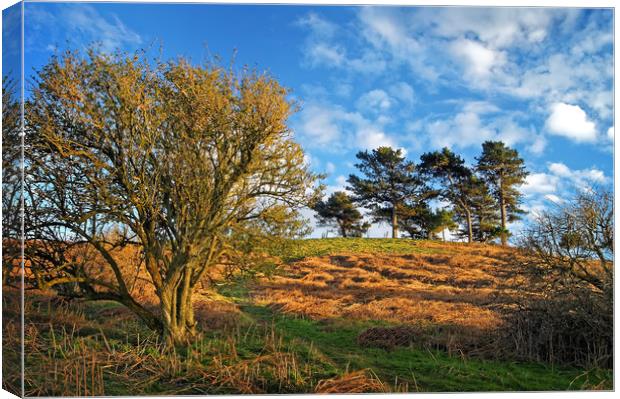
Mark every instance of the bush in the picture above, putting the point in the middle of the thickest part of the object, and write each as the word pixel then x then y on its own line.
pixel 568 260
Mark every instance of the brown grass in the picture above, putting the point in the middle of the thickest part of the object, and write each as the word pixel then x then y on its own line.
pixel 468 289
pixel 362 381
pixel 70 354
pixel 456 298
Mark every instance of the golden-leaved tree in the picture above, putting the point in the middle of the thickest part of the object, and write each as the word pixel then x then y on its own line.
pixel 175 158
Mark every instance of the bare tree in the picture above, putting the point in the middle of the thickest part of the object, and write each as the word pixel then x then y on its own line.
pixel 576 240
pixel 176 158
pixel 567 260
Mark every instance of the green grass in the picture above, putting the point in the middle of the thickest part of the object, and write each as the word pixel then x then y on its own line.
pixel 290 250
pixel 423 370
pixel 420 369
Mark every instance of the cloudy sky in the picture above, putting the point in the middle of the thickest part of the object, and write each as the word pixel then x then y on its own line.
pixel 539 79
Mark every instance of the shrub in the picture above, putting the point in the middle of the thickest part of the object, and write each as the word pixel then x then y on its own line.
pixel 568 260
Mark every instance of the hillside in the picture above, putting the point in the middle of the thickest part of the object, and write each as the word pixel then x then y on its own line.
pixel 399 281
pixel 338 315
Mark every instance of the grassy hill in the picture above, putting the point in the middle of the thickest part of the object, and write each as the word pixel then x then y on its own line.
pixel 338 315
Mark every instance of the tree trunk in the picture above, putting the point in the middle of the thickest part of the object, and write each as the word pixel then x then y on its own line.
pixel 343 231
pixel 178 313
pixel 470 232
pixel 394 222
pixel 502 208
pixel 443 235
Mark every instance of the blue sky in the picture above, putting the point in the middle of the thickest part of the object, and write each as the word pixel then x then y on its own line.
pixel 540 79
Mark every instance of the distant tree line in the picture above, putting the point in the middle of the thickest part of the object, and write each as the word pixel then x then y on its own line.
pixel 481 199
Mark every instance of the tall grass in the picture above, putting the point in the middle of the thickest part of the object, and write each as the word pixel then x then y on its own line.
pixel 68 354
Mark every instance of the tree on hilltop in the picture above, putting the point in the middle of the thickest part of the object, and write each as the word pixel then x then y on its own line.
pixel 456 182
pixel 424 223
pixel 503 170
pixel 340 211
pixel 388 182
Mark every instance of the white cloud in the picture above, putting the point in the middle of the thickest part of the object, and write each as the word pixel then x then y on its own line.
pixel 489 44
pixel 480 107
pixel 559 169
pixel 389 32
pixel 601 101
pixel 499 27
pixel 375 101
pixel 594 175
pixel 610 133
pixel 469 128
pixel 591 39
pixel 321 49
pixel 370 138
pixel 319 26
pixel 462 131
pixel 319 125
pixel 540 183
pixel 369 63
pixel 554 198
pixel 558 183
pixel 490 54
pixel 334 129
pixel 563 78
pixel 341 180
pixel 403 92
pixel 538 145
pixel 478 60
pixel 572 122
pixel 110 31
pixel 79 24
pixel 330 167
pixel 580 177
pixel 324 54
pixel 383 25
pixel 343 89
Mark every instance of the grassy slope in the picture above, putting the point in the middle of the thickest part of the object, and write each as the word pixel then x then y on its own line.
pixel 266 351
pixel 420 369
pixel 299 249
pixel 424 370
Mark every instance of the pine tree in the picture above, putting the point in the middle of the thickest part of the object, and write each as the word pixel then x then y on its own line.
pixel 340 211
pixel 486 220
pixel 415 220
pixel 389 182
pixel 442 220
pixel 503 170
pixel 424 223
pixel 455 179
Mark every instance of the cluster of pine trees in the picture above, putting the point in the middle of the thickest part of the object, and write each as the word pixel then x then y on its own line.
pixel 478 201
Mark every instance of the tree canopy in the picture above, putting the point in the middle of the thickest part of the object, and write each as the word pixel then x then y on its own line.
pixel 455 180
pixel 503 170
pixel 340 211
pixel 389 181
pixel 175 158
pixel 422 222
